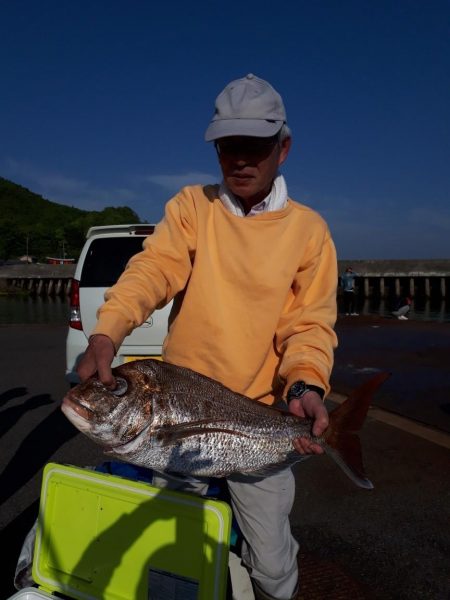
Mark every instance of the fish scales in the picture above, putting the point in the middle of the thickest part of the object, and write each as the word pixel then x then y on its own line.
pixel 173 419
pixel 233 433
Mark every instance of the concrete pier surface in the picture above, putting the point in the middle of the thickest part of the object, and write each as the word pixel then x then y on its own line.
pixel 416 353
pixel 389 543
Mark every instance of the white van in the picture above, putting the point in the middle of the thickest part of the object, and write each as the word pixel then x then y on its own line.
pixel 103 258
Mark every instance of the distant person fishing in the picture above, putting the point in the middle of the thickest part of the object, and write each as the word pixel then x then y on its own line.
pixel 348 287
pixel 402 308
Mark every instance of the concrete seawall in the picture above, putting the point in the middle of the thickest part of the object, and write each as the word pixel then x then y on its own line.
pixel 40 279
pixel 420 277
pixel 383 278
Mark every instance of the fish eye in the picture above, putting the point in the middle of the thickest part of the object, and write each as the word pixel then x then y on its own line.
pixel 121 387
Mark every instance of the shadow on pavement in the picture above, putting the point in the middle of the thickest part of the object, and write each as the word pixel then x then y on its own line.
pixel 9 416
pixel 34 452
pixel 16 392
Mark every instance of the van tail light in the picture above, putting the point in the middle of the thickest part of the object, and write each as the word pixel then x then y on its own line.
pixel 75 316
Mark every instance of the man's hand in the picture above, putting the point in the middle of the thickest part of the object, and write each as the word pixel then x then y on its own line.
pixel 310 405
pixel 97 359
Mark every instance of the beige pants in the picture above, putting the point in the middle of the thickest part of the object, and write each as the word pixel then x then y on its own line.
pixel 261 508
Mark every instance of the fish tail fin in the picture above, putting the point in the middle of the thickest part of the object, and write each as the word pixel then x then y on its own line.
pixel 342 442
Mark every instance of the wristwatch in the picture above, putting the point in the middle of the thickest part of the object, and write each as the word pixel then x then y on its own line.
pixel 299 389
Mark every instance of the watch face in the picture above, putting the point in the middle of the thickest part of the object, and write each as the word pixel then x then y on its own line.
pixel 297 389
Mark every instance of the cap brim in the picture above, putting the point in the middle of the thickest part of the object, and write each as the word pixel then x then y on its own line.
pixel 251 127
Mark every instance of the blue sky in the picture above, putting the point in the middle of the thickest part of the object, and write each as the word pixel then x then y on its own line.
pixel 105 103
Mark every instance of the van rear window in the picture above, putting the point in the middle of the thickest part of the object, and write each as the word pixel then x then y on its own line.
pixel 107 258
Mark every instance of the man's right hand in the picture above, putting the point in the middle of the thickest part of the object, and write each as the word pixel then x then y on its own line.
pixel 97 359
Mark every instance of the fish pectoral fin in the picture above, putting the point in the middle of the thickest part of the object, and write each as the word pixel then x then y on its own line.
pixel 169 435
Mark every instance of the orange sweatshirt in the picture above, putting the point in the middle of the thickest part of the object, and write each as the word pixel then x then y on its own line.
pixel 256 300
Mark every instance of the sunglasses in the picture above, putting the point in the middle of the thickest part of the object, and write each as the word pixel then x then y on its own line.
pixel 248 147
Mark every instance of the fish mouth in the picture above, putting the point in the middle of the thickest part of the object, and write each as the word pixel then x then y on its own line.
pixel 81 416
pixel 73 406
pixel 78 415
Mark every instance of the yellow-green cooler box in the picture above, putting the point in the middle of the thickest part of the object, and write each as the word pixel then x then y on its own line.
pixel 106 537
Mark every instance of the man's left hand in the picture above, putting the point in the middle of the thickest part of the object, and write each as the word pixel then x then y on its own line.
pixel 310 405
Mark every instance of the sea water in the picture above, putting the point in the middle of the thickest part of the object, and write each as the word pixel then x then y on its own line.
pixel 40 309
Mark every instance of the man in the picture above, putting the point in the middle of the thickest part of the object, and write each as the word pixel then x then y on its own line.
pixel 402 309
pixel 348 285
pixel 253 275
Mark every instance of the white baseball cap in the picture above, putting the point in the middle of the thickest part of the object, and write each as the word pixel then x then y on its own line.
pixel 248 106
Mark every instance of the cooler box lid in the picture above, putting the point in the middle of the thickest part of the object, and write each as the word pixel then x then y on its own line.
pixel 106 537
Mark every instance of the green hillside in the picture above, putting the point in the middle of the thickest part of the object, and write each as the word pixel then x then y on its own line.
pixel 46 228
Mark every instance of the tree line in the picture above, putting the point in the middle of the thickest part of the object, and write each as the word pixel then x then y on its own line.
pixel 31 225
